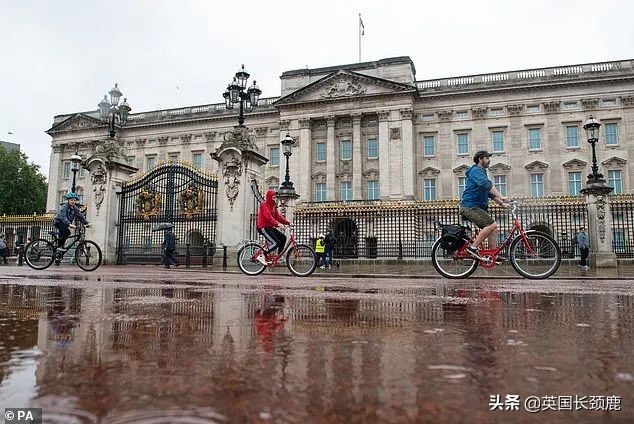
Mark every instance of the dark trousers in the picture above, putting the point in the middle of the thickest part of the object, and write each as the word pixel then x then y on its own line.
pixel 275 239
pixel 584 256
pixel 64 233
pixel 328 257
pixel 169 258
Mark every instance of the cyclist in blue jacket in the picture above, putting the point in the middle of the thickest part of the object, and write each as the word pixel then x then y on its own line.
pixel 475 202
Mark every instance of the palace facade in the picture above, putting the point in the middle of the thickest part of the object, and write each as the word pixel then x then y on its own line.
pixel 371 131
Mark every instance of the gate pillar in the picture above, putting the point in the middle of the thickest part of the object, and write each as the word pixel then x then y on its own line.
pixel 239 163
pixel 108 171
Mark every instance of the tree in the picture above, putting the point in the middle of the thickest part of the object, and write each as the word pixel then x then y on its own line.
pixel 22 186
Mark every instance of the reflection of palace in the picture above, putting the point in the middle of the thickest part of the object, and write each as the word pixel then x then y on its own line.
pixel 129 349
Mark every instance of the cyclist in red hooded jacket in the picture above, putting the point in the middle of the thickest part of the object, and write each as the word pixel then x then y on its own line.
pixel 268 219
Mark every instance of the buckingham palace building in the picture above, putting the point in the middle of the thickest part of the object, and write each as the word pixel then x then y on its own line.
pixel 372 133
pixel 371 130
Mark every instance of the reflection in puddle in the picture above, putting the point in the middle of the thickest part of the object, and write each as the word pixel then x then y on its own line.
pixel 270 354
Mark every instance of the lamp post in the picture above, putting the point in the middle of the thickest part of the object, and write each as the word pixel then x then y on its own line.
pixel 591 126
pixel 111 109
pixel 235 94
pixel 75 161
pixel 287 146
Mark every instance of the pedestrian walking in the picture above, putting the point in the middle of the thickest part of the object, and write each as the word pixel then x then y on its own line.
pixel 320 248
pixel 330 243
pixel 4 248
pixel 169 247
pixel 584 248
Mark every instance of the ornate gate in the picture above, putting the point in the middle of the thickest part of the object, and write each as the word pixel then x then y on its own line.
pixel 175 193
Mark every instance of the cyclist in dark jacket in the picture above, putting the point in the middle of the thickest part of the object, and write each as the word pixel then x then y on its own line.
pixel 65 219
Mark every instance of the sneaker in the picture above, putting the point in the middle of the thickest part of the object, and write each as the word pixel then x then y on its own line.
pixel 501 259
pixel 62 249
pixel 585 268
pixel 322 267
pixel 473 252
pixel 262 260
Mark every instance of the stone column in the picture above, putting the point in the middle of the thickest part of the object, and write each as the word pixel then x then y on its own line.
pixel 108 171
pixel 409 163
pixel 600 226
pixel 304 155
pixel 384 154
pixel 330 158
pixel 239 163
pixel 357 189
pixel 55 173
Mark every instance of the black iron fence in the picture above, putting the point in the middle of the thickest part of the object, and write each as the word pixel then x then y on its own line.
pixel 20 229
pixel 408 229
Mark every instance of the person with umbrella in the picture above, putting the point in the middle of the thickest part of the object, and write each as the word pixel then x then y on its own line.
pixel 169 244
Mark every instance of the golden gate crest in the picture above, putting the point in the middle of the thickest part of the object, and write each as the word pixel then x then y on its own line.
pixel 148 202
pixel 191 201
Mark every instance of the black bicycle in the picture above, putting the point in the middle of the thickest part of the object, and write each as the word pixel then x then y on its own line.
pixel 41 253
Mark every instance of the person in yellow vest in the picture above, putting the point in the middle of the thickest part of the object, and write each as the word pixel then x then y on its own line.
pixel 320 247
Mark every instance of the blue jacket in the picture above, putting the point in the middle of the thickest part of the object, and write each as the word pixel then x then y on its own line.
pixel 582 240
pixel 476 193
pixel 67 215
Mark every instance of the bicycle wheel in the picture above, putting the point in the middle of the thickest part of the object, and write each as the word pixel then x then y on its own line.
pixel 540 258
pixel 301 260
pixel 39 254
pixel 450 266
pixel 246 259
pixel 88 255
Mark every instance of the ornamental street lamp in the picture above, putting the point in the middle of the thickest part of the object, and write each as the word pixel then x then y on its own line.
pixel 112 109
pixel 287 146
pixel 75 161
pixel 591 126
pixel 235 94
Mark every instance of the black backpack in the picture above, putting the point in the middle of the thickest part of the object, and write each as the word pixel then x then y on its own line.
pixel 453 237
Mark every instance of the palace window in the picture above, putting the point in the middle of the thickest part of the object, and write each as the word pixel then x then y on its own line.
pixel 373 148
pixel 499 181
pixel 150 161
pixel 345 191
pixel 463 144
pixel 274 156
pixel 534 139
pixel 429 146
pixel 572 136
pixel 320 192
pixel 346 150
pixel 197 160
pixel 615 181
pixel 462 184
pixel 574 183
pixel 320 152
pixel 611 134
pixel 498 141
pixel 66 169
pixel 373 190
pixel 429 191
pixel 537 185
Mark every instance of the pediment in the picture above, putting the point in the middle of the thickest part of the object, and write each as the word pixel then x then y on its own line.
pixel 370 172
pixel 318 175
pixel 460 170
pixel 272 179
pixel 614 162
pixel 343 85
pixel 536 165
pixel 77 122
pixel 575 163
pixel 429 171
pixel 499 167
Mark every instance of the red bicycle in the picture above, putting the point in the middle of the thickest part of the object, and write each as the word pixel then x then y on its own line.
pixel 300 258
pixel 532 254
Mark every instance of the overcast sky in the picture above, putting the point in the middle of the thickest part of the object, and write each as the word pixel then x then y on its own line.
pixel 62 56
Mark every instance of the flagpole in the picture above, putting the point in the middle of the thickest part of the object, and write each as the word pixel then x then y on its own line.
pixel 359 37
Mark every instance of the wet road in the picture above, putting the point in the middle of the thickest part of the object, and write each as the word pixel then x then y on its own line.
pixel 124 346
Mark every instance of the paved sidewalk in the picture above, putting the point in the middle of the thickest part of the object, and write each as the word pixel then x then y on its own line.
pixel 404 270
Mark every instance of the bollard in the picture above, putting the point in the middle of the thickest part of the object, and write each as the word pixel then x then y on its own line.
pixel 187 257
pixel 205 255
pixel 224 257
pixel 20 250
